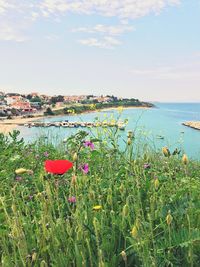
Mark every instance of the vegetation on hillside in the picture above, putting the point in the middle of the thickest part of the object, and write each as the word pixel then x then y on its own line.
pixel 112 208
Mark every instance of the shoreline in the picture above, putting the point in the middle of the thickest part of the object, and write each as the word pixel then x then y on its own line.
pixel 192 124
pixel 7 126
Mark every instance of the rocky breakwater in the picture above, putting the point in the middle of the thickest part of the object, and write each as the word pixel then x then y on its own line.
pixel 192 124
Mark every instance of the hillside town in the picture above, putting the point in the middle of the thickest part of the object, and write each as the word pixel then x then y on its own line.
pixel 14 104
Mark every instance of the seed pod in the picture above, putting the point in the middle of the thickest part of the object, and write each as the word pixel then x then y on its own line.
pixel 130 134
pixel 34 256
pixel 124 256
pixel 169 218
pixel 185 159
pixel 43 264
pixel 125 211
pixel 75 157
pixel 129 141
pixel 156 183
pixel 109 199
pixel 121 188
pixel 134 231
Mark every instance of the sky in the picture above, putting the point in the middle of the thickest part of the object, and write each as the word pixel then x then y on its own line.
pixel 146 49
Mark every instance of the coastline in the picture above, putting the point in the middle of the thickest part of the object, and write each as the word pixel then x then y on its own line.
pixel 7 126
pixel 192 124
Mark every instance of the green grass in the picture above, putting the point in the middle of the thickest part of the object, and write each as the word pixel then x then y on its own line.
pixel 149 216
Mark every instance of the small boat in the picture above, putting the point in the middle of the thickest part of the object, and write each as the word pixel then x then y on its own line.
pixel 160 137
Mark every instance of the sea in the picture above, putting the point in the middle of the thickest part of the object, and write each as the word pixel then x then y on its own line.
pixel 154 127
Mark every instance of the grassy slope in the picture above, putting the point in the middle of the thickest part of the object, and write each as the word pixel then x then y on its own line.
pixel 141 223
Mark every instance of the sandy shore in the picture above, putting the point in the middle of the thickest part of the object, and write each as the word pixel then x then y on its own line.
pixel 7 126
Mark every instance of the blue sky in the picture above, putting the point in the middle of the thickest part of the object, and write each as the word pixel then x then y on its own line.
pixel 147 49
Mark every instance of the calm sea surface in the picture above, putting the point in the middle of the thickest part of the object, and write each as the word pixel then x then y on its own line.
pixel 165 120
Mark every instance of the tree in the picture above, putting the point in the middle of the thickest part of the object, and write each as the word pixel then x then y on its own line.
pixel 48 112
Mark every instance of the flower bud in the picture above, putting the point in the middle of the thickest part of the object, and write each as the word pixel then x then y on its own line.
pixel 134 231
pixel 169 218
pixel 156 183
pixel 125 211
pixel 121 188
pixel 129 141
pixel 34 256
pixel 124 256
pixel 166 151
pixel 185 159
pixel 75 157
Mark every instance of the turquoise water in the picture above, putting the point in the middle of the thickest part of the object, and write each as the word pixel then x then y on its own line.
pixel 164 120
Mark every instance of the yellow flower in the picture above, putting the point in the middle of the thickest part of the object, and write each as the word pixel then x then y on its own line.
pixel 96 208
pixel 166 151
pixel 185 159
pixel 21 171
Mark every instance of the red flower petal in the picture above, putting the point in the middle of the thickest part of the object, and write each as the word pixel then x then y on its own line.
pixel 57 166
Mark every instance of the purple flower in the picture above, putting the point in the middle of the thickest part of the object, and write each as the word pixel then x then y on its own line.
pixel 46 154
pixel 72 199
pixel 85 168
pixel 89 144
pixel 147 166
pixel 30 197
pixel 18 178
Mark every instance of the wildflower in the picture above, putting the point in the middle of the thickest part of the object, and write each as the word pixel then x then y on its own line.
pixel 72 199
pixel 89 144
pixel 166 151
pixel 169 218
pixel 30 197
pixel 46 154
pixel 147 166
pixel 18 178
pixel 57 166
pixel 37 156
pixel 21 171
pixel 85 168
pixel 185 159
pixel 96 208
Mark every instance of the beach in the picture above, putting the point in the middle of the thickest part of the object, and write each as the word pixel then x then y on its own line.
pixel 7 126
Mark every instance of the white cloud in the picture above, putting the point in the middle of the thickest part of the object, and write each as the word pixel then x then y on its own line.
pixel 184 71
pixel 4 6
pixel 106 42
pixel 52 37
pixel 9 33
pixel 126 9
pixel 105 29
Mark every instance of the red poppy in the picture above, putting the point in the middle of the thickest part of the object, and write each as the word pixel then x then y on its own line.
pixel 58 166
